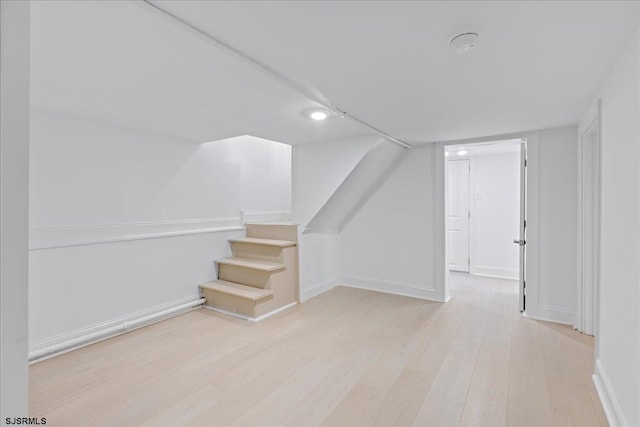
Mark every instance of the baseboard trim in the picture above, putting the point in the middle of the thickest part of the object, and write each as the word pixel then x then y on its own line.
pixel 318 289
pixel 550 314
pixel 251 319
pixel 395 288
pixel 610 404
pixel 503 273
pixel 80 338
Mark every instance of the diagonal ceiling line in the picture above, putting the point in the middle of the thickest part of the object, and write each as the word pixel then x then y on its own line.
pixel 279 77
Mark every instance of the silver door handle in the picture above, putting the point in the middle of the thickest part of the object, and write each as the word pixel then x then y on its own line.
pixel 520 242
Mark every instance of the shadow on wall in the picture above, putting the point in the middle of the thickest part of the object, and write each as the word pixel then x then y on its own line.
pixel 137 176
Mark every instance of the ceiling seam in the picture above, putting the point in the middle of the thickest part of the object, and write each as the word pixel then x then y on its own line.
pixel 278 77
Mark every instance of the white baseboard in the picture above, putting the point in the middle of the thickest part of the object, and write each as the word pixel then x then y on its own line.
pixel 317 289
pixel 63 343
pixel 396 288
pixel 550 314
pixel 610 404
pixel 506 273
pixel 251 319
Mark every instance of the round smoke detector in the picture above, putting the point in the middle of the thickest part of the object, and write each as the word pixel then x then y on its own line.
pixel 463 43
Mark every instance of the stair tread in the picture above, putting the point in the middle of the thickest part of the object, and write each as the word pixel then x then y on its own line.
pixel 253 264
pixel 266 242
pixel 237 289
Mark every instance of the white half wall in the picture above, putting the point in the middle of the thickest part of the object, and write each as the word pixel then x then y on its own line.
pixel 618 339
pixel 127 223
pixel 318 170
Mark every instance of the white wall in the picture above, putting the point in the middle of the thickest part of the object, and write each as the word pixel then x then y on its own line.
pixel 371 170
pixel 86 173
pixel 126 223
pixel 395 243
pixel 318 170
pixel 14 205
pixel 390 243
pixel 618 367
pixel 495 213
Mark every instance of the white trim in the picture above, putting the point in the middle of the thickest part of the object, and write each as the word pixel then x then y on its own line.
pixel 82 337
pixel 610 404
pixel 441 271
pixel 500 272
pixel 274 312
pixel 588 260
pixel 60 237
pixel 251 319
pixel 396 288
pixel 550 314
pixel 318 289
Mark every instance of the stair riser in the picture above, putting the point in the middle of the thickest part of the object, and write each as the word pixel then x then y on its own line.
pixel 273 231
pixel 230 303
pixel 260 252
pixel 244 276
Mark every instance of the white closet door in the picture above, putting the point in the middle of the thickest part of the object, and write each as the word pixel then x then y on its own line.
pixel 458 215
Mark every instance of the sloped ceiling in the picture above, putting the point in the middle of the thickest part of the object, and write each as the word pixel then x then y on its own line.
pixel 125 63
pixel 538 65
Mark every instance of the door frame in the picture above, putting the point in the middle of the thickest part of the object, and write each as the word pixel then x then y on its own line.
pixel 531 198
pixel 588 289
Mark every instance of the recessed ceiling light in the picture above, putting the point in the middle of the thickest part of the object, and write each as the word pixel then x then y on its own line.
pixel 463 43
pixel 318 115
pixel 461 152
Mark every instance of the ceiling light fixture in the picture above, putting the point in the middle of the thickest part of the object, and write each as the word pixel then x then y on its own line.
pixel 461 152
pixel 318 115
pixel 463 43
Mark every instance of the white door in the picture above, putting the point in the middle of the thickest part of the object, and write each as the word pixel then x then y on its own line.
pixel 458 215
pixel 522 239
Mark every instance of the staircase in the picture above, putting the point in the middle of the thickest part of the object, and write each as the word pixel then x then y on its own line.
pixel 261 277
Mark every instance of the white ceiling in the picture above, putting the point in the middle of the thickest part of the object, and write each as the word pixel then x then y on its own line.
pixel 538 65
pixel 127 64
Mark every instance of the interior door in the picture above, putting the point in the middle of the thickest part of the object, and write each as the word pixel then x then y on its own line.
pixel 458 215
pixel 522 240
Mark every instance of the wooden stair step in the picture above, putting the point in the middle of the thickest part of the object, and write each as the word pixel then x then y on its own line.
pixel 238 290
pixel 253 264
pixel 265 242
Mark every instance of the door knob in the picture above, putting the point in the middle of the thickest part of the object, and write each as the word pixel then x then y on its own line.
pixel 520 242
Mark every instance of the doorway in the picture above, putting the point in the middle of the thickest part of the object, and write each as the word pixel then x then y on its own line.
pixel 485 218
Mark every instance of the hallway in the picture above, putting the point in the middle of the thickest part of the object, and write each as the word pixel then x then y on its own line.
pixel 347 357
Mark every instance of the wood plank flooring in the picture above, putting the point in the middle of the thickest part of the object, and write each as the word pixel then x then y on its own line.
pixel 348 357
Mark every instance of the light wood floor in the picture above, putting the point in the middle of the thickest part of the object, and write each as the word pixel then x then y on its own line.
pixel 348 357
